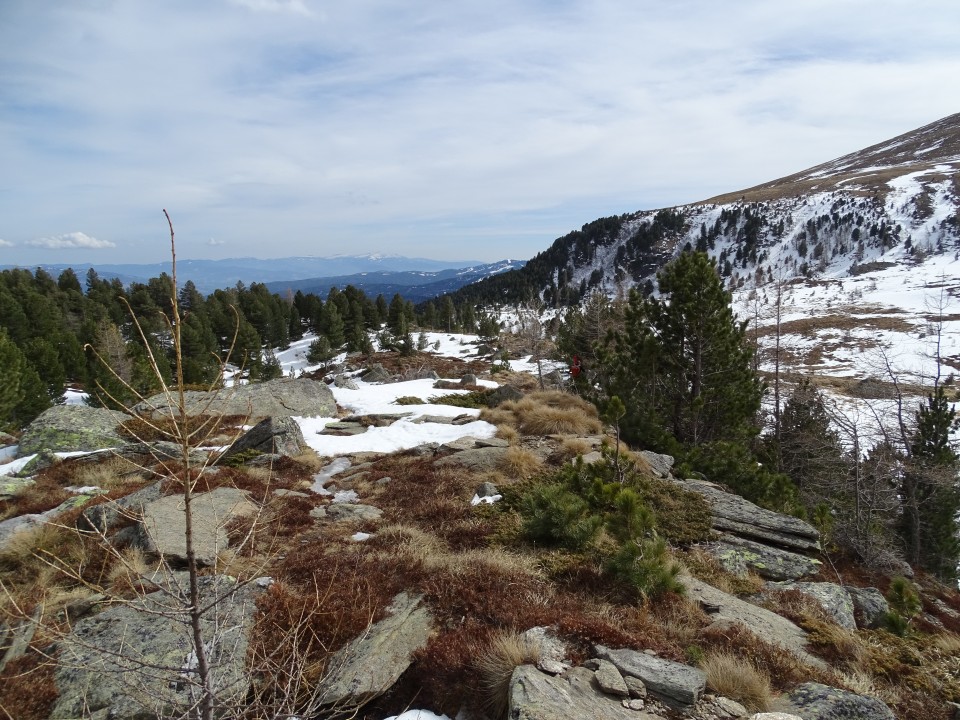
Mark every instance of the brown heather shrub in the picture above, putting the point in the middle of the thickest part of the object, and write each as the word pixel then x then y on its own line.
pixel 784 668
pixel 519 463
pixel 496 662
pixel 737 678
pixel 836 645
pixel 27 688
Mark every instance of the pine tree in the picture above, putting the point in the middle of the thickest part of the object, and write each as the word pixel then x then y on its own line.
pixel 11 394
pixel 931 495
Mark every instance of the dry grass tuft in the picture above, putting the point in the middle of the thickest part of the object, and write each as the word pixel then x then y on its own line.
pixel 112 474
pixel 571 447
pixel 948 644
pixel 739 679
pixel 547 412
pixel 836 644
pixel 521 463
pixel 127 574
pixel 496 663
pixel 508 433
pixel 704 566
pixel 310 460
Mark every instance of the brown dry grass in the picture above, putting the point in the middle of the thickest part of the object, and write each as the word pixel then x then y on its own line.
pixel 704 566
pixel 520 463
pixel 738 678
pixel 505 652
pixel 547 412
pixel 571 447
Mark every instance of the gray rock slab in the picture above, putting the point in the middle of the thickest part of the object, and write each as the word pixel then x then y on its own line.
pixel 130 662
pixel 71 428
pixel 274 435
pixel 869 606
pixel 813 701
pixel 464 443
pixel 765 624
pixel 284 397
pixel 164 524
pixel 834 599
pixel 503 394
pixel 493 442
pixel 369 665
pixel 478 459
pixel 659 463
pixel 737 515
pixel 672 682
pixel 572 696
pixel 737 555
pixel 357 512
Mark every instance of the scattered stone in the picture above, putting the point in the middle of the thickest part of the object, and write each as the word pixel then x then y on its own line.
pixel 634 704
pixel 369 665
pixel 552 667
pixel 468 379
pixel 738 555
pixel 351 512
pixel 487 489
pixel 548 645
pixel 163 529
pixel 636 687
pixel 571 696
pixel 283 492
pixel 610 681
pixel 477 460
pixel 437 419
pixel 275 435
pixel 869 606
pixel 814 701
pixel 375 374
pixel 503 394
pixel 383 481
pixel 774 716
pixel 729 708
pixel 343 428
pixel 460 444
pixel 72 428
pixel 590 458
pixel 464 419
pixel 676 684
pixel 345 382
pixel 283 397
pixel 834 599
pixel 117 663
pixel 660 464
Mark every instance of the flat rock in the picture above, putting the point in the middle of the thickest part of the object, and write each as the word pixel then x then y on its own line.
pixel 273 435
pixel 131 661
pixel 813 701
pixel 834 599
pixel 342 427
pixel 492 442
pixel 344 512
pixel 466 442
pixel 765 624
pixel 737 555
pixel 369 665
pixel 163 528
pixel 572 696
pixel 478 459
pixel 10 527
pixel 71 428
pixel 284 397
pixel 741 517
pixel 672 682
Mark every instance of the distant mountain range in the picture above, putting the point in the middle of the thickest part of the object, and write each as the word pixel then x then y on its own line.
pixel 281 273
pixel 417 286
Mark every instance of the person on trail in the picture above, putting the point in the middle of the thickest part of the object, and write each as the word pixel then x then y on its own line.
pixel 576 368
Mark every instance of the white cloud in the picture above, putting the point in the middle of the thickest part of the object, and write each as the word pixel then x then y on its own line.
pixel 5 243
pixel 70 240
pixel 297 7
pixel 214 241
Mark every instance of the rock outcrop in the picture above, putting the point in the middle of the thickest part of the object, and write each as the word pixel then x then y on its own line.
pixel 738 555
pixel 276 398
pixel 834 599
pixel 736 515
pixel 273 436
pixel 813 701
pixel 71 428
pixel 370 664
pixel 164 524
pixel 869 606
pixel 765 624
pixel 572 696
pixel 118 663
pixel 676 684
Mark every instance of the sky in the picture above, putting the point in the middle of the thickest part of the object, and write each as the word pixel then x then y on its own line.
pixel 448 130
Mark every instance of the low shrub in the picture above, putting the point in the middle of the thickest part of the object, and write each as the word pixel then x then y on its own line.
pixel 476 399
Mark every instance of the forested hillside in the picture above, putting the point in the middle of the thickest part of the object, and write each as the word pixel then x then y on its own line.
pixel 46 323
